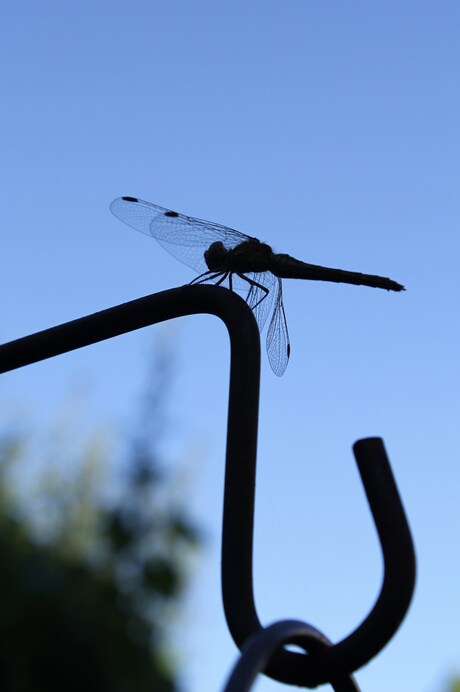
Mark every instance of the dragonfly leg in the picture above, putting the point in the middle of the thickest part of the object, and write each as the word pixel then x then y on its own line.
pixel 255 284
pixel 209 276
pixel 223 277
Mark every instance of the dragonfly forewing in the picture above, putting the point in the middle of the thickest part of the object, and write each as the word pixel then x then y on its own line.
pixel 184 237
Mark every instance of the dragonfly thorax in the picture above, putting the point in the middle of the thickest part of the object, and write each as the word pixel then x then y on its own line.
pixel 249 256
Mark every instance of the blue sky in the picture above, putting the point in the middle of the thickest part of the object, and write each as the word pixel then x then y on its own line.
pixel 329 130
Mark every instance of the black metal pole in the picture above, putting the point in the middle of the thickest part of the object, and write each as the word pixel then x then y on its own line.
pixel 237 538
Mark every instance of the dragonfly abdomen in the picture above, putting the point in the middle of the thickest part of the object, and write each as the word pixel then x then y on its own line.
pixel 287 267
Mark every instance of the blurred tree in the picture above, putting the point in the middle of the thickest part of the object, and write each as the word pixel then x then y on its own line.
pixel 87 584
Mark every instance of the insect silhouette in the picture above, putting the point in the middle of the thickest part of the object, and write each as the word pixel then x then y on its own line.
pixel 222 255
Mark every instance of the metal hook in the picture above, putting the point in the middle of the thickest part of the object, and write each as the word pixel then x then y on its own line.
pixel 242 619
pixel 395 540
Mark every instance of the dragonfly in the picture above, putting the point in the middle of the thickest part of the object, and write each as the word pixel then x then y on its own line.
pixel 227 257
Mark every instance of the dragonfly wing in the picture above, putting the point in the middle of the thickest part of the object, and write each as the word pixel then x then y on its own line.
pixel 184 237
pixel 259 300
pixel 278 346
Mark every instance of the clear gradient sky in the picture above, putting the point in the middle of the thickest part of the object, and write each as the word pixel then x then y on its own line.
pixel 329 130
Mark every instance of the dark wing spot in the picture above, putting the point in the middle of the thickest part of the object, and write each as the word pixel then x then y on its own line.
pixel 130 199
pixel 171 213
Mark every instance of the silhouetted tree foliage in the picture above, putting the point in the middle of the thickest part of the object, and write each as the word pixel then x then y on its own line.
pixel 85 603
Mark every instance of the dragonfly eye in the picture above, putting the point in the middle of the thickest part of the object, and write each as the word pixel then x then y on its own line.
pixel 215 256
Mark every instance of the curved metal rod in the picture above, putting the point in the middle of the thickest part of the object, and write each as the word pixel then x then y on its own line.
pixel 237 588
pixel 143 312
pixel 259 649
pixel 394 598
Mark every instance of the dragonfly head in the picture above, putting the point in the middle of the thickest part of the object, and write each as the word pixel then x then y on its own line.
pixel 216 256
